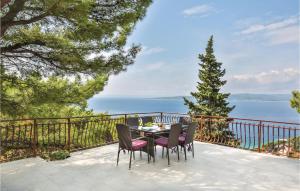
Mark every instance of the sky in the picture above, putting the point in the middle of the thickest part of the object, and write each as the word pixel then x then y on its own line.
pixel 257 42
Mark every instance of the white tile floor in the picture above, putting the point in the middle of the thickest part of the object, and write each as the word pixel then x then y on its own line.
pixel 213 168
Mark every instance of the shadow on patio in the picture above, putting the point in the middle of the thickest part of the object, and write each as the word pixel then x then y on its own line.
pixel 213 168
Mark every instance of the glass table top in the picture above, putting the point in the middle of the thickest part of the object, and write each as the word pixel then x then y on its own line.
pixel 155 128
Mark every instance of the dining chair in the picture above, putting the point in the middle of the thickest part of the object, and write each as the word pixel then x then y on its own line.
pixel 184 120
pixel 133 123
pixel 172 141
pixel 187 140
pixel 129 144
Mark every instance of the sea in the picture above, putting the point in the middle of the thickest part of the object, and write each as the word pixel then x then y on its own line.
pixel 263 107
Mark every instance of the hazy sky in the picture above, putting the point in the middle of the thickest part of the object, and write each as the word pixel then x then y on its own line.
pixel 256 40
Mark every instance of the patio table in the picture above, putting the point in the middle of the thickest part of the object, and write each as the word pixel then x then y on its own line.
pixel 150 133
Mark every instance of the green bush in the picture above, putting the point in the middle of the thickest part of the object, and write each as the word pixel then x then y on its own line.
pixel 59 155
pixel 56 155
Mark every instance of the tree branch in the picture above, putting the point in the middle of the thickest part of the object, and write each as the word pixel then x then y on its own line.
pixel 4 2
pixel 14 9
pixel 24 22
pixel 10 48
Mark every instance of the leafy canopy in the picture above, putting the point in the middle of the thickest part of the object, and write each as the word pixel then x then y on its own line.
pixel 68 36
pixel 209 100
pixel 54 97
pixel 56 54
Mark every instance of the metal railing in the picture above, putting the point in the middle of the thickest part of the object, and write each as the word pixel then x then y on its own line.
pixel 22 138
pixel 280 138
pixel 30 137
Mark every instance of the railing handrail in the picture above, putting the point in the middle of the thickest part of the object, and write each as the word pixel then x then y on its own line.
pixel 146 113
pixel 246 119
pixel 99 115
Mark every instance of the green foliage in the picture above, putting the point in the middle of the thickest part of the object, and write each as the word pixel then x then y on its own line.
pixel 85 132
pixel 209 100
pixel 55 96
pixel 56 155
pixel 68 36
pixel 56 54
pixel 149 124
pixel 296 143
pixel 295 100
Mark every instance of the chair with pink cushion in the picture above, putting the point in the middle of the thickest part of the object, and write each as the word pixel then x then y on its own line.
pixel 187 139
pixel 185 120
pixel 126 143
pixel 171 141
pixel 133 123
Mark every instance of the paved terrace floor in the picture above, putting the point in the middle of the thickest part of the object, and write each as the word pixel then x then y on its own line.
pixel 213 168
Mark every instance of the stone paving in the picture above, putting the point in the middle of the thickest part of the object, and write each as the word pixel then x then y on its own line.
pixel 213 168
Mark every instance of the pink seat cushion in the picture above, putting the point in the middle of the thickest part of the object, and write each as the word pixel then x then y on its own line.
pixel 138 144
pixel 181 139
pixel 162 141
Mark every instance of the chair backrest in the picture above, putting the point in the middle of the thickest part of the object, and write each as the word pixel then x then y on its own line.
pixel 191 132
pixel 184 120
pixel 132 122
pixel 147 119
pixel 174 135
pixel 124 136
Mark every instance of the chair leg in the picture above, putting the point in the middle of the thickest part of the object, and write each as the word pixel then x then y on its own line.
pixel 148 154
pixel 168 156
pixel 141 153
pixel 118 156
pixel 162 152
pixel 193 149
pixel 154 148
pixel 178 152
pixel 184 149
pixel 130 159
pixel 133 155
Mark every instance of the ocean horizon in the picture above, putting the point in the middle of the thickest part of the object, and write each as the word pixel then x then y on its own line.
pixel 274 107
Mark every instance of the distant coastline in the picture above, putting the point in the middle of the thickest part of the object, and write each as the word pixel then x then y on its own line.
pixel 275 107
pixel 243 97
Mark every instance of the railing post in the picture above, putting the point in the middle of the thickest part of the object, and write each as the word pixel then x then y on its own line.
pixel 161 117
pixel 35 137
pixel 259 135
pixel 125 119
pixel 69 134
pixel 201 127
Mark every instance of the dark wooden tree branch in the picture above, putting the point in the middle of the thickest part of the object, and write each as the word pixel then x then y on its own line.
pixel 10 48
pixel 4 2
pixel 14 9
pixel 7 20
pixel 24 22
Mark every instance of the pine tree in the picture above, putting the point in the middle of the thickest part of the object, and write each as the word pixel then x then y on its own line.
pixel 47 43
pixel 209 100
pixel 68 37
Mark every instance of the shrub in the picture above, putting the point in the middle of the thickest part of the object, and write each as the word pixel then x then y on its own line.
pixel 56 155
